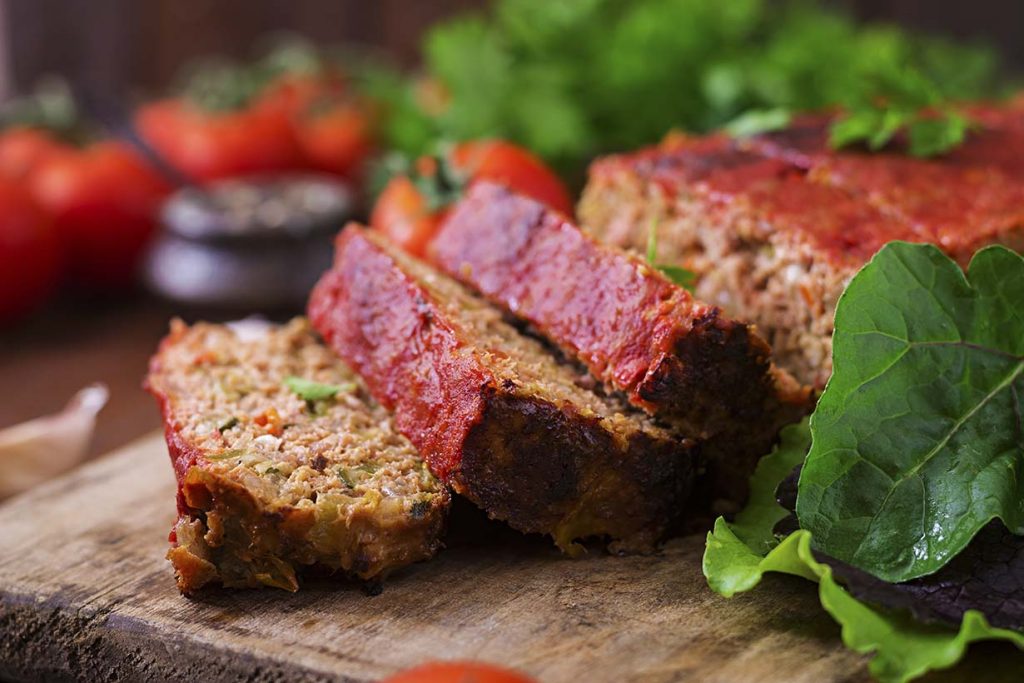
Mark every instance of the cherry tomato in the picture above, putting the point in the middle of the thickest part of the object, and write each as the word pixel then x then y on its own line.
pixel 30 254
pixel 335 138
pixel 22 150
pixel 331 128
pixel 104 200
pixel 405 215
pixel 206 145
pixel 401 212
pixel 515 167
pixel 458 672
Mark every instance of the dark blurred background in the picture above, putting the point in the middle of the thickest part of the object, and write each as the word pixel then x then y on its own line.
pixel 132 43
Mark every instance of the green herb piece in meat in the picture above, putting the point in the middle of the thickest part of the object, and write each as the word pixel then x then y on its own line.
pixel 918 439
pixel 227 424
pixel 314 391
pixel 686 279
pixel 226 455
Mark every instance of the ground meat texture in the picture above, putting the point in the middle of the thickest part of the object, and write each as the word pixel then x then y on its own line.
pixel 677 358
pixel 270 483
pixel 494 412
pixel 776 226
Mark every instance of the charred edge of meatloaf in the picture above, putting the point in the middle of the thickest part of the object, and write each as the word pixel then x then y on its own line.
pixel 747 428
pixel 230 538
pixel 473 392
pixel 749 271
pixel 547 469
pixel 719 353
pixel 270 484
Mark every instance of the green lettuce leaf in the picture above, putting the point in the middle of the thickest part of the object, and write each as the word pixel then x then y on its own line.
pixel 903 648
pixel 737 555
pixel 917 439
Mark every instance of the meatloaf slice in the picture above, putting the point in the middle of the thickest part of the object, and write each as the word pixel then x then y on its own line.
pixel 275 473
pixel 677 358
pixel 495 414
pixel 766 244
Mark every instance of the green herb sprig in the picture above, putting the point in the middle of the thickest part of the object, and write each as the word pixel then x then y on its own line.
pixel 633 71
pixel 686 279
pixel 909 102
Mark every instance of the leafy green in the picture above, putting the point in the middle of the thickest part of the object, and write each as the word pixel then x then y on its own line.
pixel 573 78
pixel 733 569
pixel 917 439
pixel 308 390
pixel 903 649
pixel 738 554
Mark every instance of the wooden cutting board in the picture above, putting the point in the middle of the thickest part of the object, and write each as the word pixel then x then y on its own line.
pixel 85 593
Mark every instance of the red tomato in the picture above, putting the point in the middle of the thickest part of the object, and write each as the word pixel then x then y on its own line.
pixel 402 213
pixel 458 672
pixel 30 255
pixel 514 167
pixel 208 145
pixel 24 149
pixel 293 94
pixel 335 138
pixel 104 200
pixel 331 129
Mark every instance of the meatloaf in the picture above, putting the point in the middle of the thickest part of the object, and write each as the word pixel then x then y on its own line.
pixel 283 462
pixel 496 414
pixel 776 226
pixel 673 356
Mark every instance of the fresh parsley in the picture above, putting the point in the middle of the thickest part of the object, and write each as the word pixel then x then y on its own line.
pixel 634 70
pixel 909 102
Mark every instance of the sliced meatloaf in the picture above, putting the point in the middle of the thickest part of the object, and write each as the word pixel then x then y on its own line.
pixel 766 244
pixel 677 358
pixel 776 226
pixel 494 412
pixel 284 462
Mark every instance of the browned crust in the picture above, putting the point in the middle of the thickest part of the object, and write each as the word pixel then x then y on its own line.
pixel 541 467
pixel 554 471
pixel 673 356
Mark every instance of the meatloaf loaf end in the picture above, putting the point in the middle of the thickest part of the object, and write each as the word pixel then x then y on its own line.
pixel 766 244
pixel 495 414
pixel 271 481
pixel 675 357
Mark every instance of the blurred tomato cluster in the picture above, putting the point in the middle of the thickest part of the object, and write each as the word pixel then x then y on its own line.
pixel 297 122
pixel 80 214
pixel 78 208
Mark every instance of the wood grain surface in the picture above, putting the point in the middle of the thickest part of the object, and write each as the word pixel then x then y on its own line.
pixel 86 594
